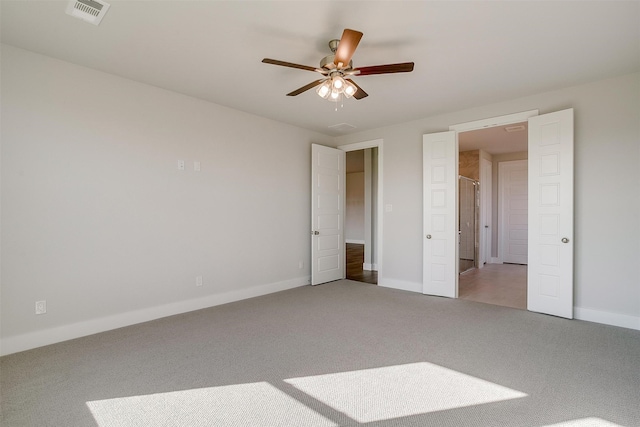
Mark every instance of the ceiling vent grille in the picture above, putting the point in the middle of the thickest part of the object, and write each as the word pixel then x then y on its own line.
pixel 342 127
pixel 91 11
pixel 516 128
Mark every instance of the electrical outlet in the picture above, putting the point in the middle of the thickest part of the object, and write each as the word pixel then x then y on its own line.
pixel 301 264
pixel 41 307
pixel 180 165
pixel 198 280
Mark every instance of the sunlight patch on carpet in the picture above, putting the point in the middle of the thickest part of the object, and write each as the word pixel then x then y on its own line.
pixel 585 422
pixel 252 404
pixel 398 391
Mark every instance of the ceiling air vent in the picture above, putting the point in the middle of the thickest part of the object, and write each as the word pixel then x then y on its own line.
pixel 342 127
pixel 516 128
pixel 91 11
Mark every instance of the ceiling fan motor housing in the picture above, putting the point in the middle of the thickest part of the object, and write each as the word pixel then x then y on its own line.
pixel 333 45
pixel 328 64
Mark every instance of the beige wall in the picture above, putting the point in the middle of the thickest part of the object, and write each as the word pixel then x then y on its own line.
pixel 354 209
pixel 98 221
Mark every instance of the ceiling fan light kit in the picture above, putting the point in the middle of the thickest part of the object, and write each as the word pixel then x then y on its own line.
pixel 338 67
pixel 334 87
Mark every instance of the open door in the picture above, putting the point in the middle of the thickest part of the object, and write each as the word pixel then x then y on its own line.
pixel 550 270
pixel 550 211
pixel 440 229
pixel 327 214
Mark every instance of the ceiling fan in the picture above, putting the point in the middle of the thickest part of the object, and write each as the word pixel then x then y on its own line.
pixel 337 70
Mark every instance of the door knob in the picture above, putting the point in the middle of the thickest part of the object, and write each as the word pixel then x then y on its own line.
pixel 315 233
pixel 565 240
pixel 428 236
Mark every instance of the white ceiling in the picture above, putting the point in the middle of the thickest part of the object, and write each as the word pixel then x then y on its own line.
pixel 466 53
pixel 496 140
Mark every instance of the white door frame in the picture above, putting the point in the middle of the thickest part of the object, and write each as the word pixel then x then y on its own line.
pixel 375 143
pixel 484 242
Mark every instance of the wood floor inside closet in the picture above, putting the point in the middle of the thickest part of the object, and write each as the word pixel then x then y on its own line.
pixel 355 259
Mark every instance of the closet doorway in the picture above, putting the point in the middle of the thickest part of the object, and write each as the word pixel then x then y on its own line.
pixel 361 215
pixel 493 215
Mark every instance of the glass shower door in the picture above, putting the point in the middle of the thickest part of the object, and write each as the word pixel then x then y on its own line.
pixel 467 223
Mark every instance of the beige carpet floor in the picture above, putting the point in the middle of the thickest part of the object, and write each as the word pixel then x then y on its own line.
pixel 340 354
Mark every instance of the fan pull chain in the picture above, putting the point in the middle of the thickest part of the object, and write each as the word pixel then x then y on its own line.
pixel 341 99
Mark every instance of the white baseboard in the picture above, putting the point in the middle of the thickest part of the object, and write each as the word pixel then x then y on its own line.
pixel 357 242
pixel 495 261
pixel 607 318
pixel 370 267
pixel 41 338
pixel 400 284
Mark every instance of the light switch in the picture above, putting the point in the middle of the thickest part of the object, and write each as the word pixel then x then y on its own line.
pixel 388 208
pixel 196 166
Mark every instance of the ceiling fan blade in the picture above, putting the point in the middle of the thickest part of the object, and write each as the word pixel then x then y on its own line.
pixel 404 67
pixel 346 47
pixel 305 88
pixel 359 93
pixel 288 64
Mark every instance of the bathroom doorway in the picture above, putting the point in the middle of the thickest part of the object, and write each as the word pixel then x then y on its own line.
pixel 487 277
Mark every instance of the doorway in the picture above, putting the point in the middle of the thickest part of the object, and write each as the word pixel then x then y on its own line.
pixel 501 277
pixel 550 209
pixel 360 215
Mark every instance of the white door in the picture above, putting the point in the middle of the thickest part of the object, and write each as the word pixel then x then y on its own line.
pixel 327 214
pixel 440 180
pixel 512 177
pixel 550 270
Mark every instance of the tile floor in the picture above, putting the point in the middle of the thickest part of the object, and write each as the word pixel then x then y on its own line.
pixel 498 284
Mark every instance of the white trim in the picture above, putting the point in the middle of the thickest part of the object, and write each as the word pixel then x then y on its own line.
pixel 486 210
pixel 495 260
pixel 354 241
pixel 607 318
pixel 40 338
pixel 370 267
pixel 361 145
pixel 494 121
pixel 402 285
pixel 368 206
pixel 379 143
